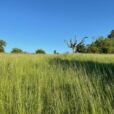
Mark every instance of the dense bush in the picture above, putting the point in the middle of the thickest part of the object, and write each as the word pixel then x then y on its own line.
pixel 40 51
pixel 102 45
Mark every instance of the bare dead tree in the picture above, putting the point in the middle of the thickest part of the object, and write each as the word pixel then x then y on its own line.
pixel 74 44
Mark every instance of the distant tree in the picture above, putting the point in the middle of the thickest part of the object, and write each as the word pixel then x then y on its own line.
pixel 111 35
pixel 76 47
pixel 55 52
pixel 72 45
pixel 40 51
pixel 16 50
pixel 2 45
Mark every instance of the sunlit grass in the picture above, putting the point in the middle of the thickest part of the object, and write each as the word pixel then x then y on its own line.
pixel 56 84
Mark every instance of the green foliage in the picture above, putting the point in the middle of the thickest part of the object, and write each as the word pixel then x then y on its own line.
pixel 102 45
pixel 2 45
pixel 108 46
pixel 81 48
pixel 111 35
pixel 93 49
pixel 1 49
pixel 96 46
pixel 40 51
pixel 16 50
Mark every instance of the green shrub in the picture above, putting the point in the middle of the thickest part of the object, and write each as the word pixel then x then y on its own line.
pixel 40 51
pixel 16 50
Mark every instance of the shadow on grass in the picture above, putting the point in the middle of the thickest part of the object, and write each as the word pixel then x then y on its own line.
pixel 104 70
pixel 90 67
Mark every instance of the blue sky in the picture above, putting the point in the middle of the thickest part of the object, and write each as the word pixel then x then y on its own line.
pixel 33 24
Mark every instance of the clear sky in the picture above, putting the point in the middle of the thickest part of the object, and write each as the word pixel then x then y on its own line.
pixel 33 24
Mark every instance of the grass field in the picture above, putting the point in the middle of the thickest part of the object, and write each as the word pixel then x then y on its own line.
pixel 56 84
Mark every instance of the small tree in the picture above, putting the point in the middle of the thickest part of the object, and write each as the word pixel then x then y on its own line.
pixel 2 45
pixel 40 51
pixel 55 52
pixel 72 45
pixel 76 47
pixel 16 50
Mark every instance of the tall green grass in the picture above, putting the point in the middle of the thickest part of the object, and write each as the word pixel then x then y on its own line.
pixel 56 84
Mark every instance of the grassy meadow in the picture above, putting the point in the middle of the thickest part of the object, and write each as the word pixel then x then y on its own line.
pixel 56 84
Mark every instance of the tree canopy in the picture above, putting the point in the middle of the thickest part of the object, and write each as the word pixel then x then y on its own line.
pixel 2 45
pixel 40 51
pixel 102 45
pixel 16 50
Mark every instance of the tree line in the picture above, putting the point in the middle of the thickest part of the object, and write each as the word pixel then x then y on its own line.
pixel 100 45
pixel 17 50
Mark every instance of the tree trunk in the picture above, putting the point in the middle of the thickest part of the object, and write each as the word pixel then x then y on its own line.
pixel 75 50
